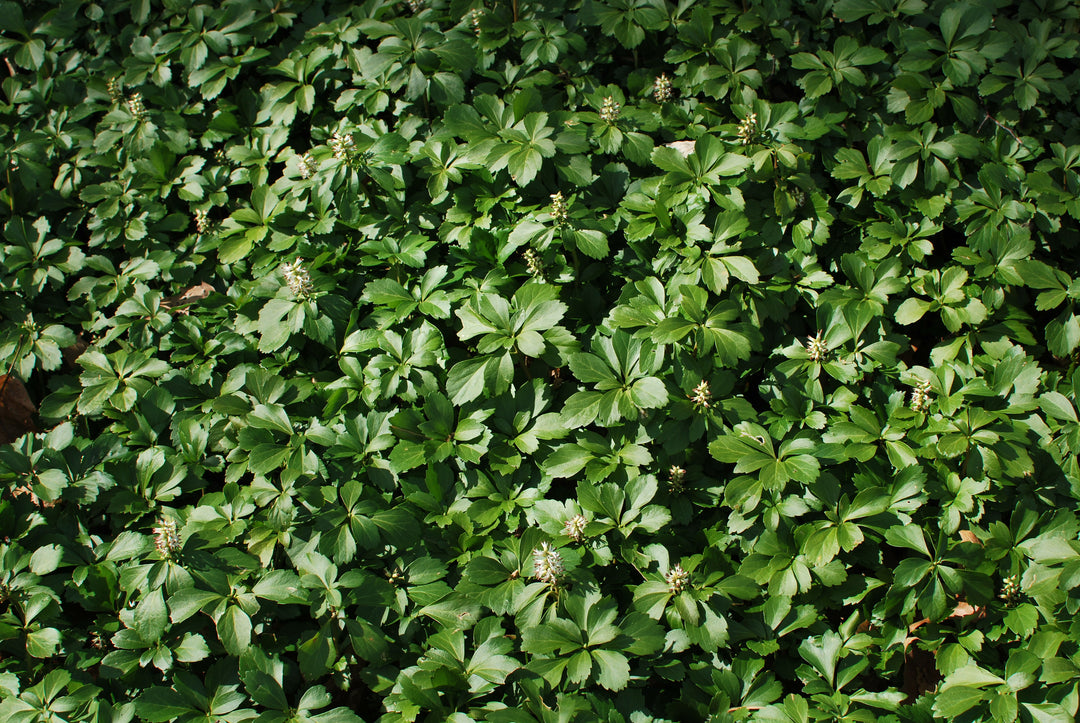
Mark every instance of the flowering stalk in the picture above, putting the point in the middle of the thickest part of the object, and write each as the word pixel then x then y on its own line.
pixel 701 396
pixel 116 89
pixel 166 538
pixel 307 165
pixel 677 579
pixel 662 90
pixel 609 111
pixel 920 397
pixel 575 528
pixel 1010 590
pixel 547 564
pixel 474 19
pixel 748 129
pixel 560 212
pixel 676 478
pixel 297 278
pixel 533 263
pixel 202 220
pixel 816 348
pixel 136 107
pixel 342 145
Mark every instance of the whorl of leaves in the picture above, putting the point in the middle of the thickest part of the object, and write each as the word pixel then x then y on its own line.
pixel 595 360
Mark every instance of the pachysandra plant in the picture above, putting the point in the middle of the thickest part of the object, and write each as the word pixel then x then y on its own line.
pixel 589 360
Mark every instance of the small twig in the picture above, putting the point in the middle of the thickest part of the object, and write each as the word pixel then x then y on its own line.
pixel 1002 126
pixel 15 359
pixel 10 67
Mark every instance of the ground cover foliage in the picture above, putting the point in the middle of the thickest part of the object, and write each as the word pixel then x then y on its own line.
pixel 614 360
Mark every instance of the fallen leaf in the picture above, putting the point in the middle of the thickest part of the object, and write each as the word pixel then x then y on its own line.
pixel 34 499
pixel 74 351
pixel 683 147
pixel 969 536
pixel 963 609
pixel 16 410
pixel 188 296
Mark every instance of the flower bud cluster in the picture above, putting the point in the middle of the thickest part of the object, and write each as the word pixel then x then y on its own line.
pixel 701 395
pixel 136 107
pixel 416 5
pixel 547 564
pixel 609 111
pixel 166 538
pixel 474 19
pixel 677 579
pixel 97 640
pixel 116 89
pixel 920 397
pixel 559 210
pixel 662 90
pixel 676 478
pixel 342 145
pixel 816 348
pixel 748 129
pixel 1010 590
pixel 575 528
pixel 297 278
pixel 533 264
pixel 307 165
pixel 202 220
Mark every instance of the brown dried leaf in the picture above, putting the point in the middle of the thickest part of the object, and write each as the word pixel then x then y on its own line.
pixel 969 536
pixel 73 352
pixel 188 296
pixel 964 609
pixel 16 410
pixel 34 499
pixel 913 627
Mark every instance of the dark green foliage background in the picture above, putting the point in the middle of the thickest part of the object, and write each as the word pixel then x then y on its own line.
pixel 820 356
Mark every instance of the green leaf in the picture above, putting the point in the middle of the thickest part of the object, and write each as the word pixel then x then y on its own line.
pixel 556 635
pixel 954 701
pixel 46 559
pixel 316 654
pixel 566 461
pixel 161 705
pixel 648 393
pixel 465 382
pixel 191 649
pixel 1058 406
pixel 43 643
pixel 907 536
pixel 234 248
pixel 591 243
pixel 151 617
pixel 614 669
pixel 911 310
pixel 490 664
pixel 281 586
pixel 591 369
pixel 234 630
